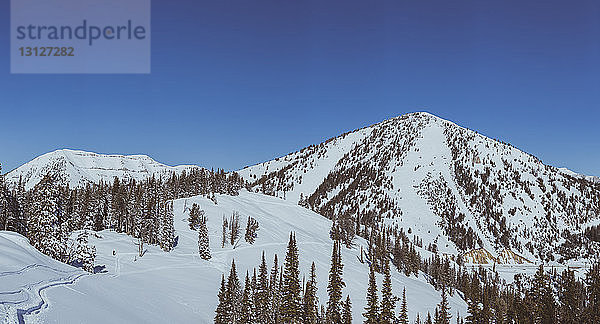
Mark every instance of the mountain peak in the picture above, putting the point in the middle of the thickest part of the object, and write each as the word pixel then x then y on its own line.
pixel 453 187
pixel 82 167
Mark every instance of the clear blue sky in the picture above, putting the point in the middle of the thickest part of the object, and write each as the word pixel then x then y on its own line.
pixel 234 83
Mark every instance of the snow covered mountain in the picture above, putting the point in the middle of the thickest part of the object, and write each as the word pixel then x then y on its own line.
pixel 179 286
pixel 452 187
pixel 80 167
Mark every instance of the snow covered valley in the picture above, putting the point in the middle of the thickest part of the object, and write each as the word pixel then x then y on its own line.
pixel 178 286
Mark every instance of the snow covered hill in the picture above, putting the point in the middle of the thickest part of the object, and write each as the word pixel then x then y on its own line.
pixel 79 168
pixel 454 188
pixel 178 286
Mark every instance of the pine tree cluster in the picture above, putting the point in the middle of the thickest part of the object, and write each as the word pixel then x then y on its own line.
pixel 279 297
pixel 48 213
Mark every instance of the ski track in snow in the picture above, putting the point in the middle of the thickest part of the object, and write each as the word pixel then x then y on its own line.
pixel 21 313
pixel 32 292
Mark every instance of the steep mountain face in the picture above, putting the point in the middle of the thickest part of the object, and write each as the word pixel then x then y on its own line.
pixel 449 186
pixel 78 168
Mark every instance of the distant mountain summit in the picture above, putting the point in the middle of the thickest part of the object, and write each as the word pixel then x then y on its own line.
pixel 79 168
pixel 455 189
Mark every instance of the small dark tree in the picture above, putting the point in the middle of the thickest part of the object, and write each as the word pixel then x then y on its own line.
pixel 347 311
pixel 195 215
pixel 310 302
pixel 403 318
pixel 234 228
pixel 224 232
pixel 251 229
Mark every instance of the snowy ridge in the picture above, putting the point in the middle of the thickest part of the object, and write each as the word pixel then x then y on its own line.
pixel 454 188
pixel 79 168
pixel 179 286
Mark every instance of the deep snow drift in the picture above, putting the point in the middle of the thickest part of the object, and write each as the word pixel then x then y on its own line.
pixel 179 286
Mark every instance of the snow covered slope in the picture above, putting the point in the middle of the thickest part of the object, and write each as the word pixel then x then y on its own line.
pixel 179 287
pixel 79 168
pixel 25 274
pixel 451 186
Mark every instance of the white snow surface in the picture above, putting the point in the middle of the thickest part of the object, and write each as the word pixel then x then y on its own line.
pixel 178 286
pixel 79 168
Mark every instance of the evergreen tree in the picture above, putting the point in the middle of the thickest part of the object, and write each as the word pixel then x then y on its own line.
pixel 403 318
pixel 310 302
pixel 195 217
pixel 274 292
pixel 473 312
pixel 347 311
pixel 203 241
pixel 82 253
pixel 335 286
pixel 166 235
pixel 262 296
pixel 234 228
pixel 46 231
pixel 443 316
pixel 232 307
pixel 428 320
pixel 570 302
pixel 592 279
pixel 371 313
pixel 388 300
pixel 251 229
pixel 543 298
pixel 290 306
pixel 225 225
pixel 221 315
pixel 246 311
